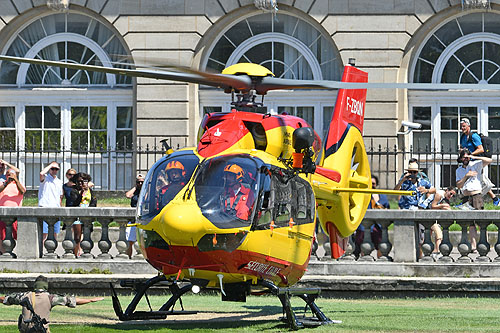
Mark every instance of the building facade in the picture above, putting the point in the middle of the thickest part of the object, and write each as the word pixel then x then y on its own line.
pixel 394 41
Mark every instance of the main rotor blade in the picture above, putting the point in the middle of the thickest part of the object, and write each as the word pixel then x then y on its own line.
pixel 215 80
pixel 244 83
pixel 271 83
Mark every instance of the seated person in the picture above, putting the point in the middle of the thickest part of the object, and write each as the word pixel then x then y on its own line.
pixel 237 199
pixel 176 176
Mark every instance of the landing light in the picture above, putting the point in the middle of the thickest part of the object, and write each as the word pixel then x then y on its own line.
pixel 195 289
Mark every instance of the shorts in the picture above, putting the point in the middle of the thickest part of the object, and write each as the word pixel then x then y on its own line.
pixel 486 184
pixel 131 233
pixel 476 201
pixel 57 227
pixel 3 229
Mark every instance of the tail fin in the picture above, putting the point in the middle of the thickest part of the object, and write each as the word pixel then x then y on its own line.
pixel 345 154
pixel 349 110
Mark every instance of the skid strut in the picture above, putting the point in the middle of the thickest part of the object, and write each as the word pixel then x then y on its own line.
pixel 308 295
pixel 140 288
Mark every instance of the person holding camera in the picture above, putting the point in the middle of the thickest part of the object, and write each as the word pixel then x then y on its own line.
pixel 11 195
pixel 413 181
pixel 133 195
pixel 4 166
pixel 468 177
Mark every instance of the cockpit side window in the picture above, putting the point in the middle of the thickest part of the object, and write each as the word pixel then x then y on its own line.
pixel 284 200
pixel 226 188
pixel 165 179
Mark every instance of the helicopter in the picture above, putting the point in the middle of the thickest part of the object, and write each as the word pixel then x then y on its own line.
pixel 238 212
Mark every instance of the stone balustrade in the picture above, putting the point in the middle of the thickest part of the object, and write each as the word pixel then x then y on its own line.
pixel 29 241
pixel 400 244
pixel 405 245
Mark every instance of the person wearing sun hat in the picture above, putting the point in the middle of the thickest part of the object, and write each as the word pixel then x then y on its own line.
pixel 413 181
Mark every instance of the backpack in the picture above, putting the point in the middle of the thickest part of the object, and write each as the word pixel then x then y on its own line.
pixel 487 144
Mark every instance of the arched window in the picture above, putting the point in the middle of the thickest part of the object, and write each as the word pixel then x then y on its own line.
pixel 464 49
pixel 67 37
pixel 64 114
pixel 289 46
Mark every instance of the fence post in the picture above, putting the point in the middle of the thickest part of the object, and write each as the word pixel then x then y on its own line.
pixel 404 241
pixel 29 237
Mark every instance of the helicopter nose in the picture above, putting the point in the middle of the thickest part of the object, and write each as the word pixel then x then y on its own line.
pixel 182 224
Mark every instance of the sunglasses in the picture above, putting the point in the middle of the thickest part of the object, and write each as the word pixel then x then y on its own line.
pixel 70 174
pixel 413 172
pixel 54 169
pixel 140 181
pixel 83 181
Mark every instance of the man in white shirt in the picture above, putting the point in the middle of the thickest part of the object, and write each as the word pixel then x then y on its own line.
pixel 50 193
pixel 468 177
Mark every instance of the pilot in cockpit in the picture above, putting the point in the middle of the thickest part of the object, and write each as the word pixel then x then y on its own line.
pixel 176 176
pixel 237 199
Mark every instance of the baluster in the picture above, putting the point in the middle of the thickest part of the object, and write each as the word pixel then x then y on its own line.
pixel 138 253
pixel 464 247
pixel 446 246
pixel 483 247
pixel 51 242
pixel 68 243
pixel 497 245
pixel 122 244
pixel 427 246
pixel 104 244
pixel 8 243
pixel 349 255
pixel 385 245
pixel 87 244
pixel 367 245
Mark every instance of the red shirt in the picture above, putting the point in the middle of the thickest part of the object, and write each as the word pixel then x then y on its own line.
pixel 244 199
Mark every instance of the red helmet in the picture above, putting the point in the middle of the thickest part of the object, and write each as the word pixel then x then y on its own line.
pixel 236 170
pixel 176 165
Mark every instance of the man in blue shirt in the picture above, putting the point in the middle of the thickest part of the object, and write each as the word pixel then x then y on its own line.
pixel 472 141
pixel 412 181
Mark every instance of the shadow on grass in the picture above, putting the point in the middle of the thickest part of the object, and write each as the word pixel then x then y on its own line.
pixel 181 325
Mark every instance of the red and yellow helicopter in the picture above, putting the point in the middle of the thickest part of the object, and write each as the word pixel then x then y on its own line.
pixel 238 212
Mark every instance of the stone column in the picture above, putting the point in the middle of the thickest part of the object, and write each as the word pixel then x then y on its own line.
pixel 427 246
pixel 464 247
pixel 446 246
pixel 9 242
pixel 404 241
pixel 122 244
pixel 497 245
pixel 385 245
pixel 29 238
pixel 68 243
pixel 104 244
pixel 51 242
pixel 483 247
pixel 87 244
pixel 367 245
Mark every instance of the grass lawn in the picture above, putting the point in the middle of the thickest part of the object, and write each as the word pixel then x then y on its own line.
pixel 262 313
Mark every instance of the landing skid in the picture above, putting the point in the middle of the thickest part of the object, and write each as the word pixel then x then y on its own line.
pixel 140 288
pixel 308 295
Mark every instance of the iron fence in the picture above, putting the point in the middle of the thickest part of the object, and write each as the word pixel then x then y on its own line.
pixel 388 162
pixel 111 169
pixel 115 169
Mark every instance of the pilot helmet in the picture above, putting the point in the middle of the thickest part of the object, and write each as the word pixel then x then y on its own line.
pixel 175 165
pixel 236 170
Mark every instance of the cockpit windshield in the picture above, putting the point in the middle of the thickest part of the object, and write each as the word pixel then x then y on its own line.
pixel 165 179
pixel 226 188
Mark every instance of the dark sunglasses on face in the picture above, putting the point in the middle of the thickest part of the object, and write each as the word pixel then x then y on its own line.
pixel 54 169
pixel 413 172
pixel 140 182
